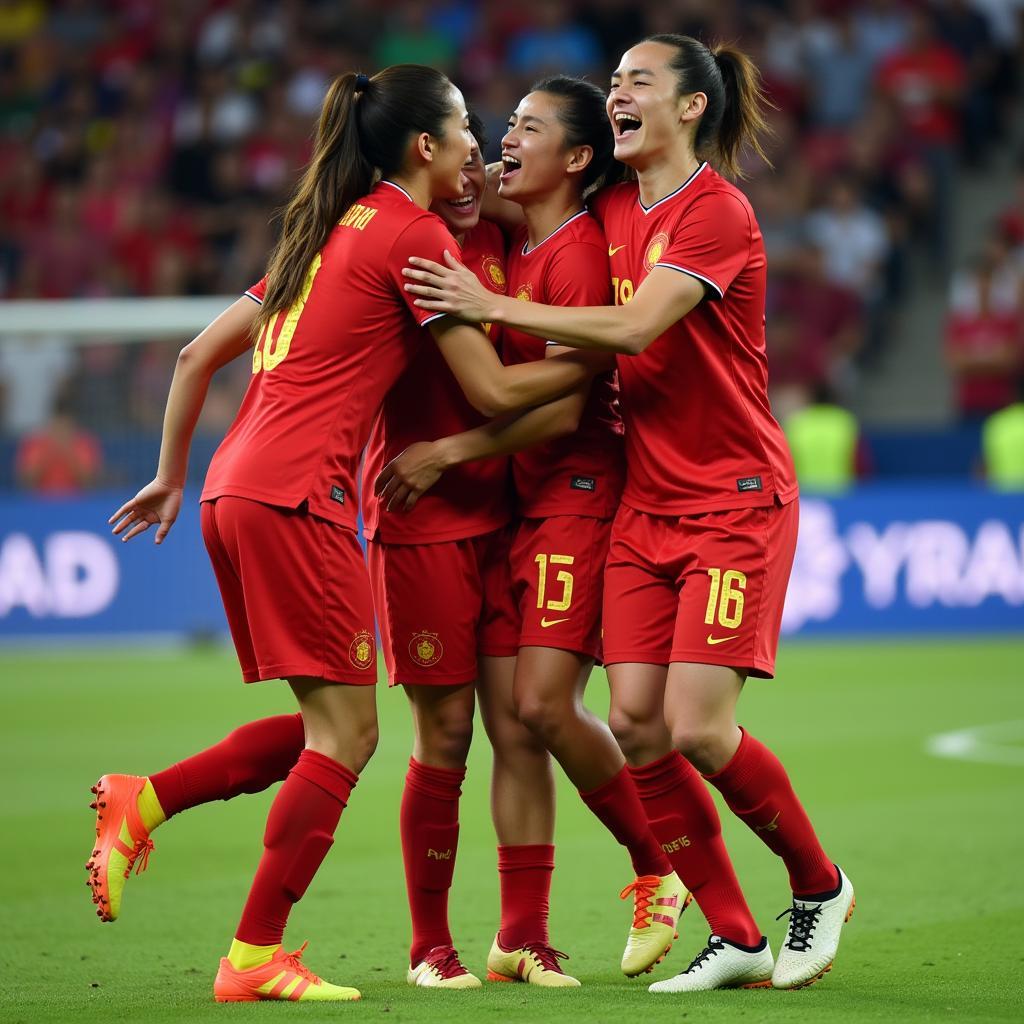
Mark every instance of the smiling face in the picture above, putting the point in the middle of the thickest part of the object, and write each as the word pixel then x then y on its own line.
pixel 533 152
pixel 451 151
pixel 647 116
pixel 461 214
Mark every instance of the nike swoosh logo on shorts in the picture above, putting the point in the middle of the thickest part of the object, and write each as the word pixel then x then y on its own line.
pixel 612 250
pixel 544 623
pixel 720 639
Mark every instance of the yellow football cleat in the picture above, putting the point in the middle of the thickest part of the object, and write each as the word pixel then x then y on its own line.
pixel 441 968
pixel 284 977
pixel 533 963
pixel 122 841
pixel 657 903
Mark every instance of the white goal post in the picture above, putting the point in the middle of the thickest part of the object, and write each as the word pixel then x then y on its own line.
pixel 124 319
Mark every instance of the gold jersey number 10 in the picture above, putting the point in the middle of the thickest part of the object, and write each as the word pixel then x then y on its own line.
pixel 270 352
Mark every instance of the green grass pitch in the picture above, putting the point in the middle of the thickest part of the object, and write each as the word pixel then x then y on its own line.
pixel 934 847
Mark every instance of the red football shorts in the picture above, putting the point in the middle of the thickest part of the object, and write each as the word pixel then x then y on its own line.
pixel 707 588
pixel 557 575
pixel 295 590
pixel 441 605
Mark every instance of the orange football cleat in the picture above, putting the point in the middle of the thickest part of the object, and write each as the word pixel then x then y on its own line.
pixel 122 841
pixel 284 977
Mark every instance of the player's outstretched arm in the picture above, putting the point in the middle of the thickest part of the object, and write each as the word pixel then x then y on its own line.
pixel 159 502
pixel 664 297
pixel 494 389
pixel 406 478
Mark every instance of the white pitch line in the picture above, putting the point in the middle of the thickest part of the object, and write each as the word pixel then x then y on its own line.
pixel 999 743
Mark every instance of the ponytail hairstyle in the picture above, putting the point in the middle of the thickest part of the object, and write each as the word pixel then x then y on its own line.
pixel 734 116
pixel 364 130
pixel 584 119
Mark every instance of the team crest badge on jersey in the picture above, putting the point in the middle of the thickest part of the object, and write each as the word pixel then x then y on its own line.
pixel 495 273
pixel 426 649
pixel 525 292
pixel 659 243
pixel 362 649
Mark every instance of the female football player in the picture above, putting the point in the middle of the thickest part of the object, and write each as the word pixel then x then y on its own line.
pixel 702 547
pixel 558 146
pixel 333 332
pixel 447 620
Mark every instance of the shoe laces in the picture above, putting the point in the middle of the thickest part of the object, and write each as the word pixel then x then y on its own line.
pixel 643 889
pixel 445 961
pixel 293 961
pixel 802 922
pixel 713 948
pixel 139 858
pixel 547 956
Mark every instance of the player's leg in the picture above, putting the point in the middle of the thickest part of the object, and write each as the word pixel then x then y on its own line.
pixel 700 702
pixel 427 599
pixel 341 735
pixel 549 690
pixel 738 592
pixel 429 824
pixel 247 760
pixel 523 810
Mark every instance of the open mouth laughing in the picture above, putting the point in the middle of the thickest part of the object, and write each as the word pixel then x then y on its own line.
pixel 626 124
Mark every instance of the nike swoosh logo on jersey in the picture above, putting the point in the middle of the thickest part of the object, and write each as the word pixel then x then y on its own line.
pixel 612 250
pixel 544 623
pixel 712 640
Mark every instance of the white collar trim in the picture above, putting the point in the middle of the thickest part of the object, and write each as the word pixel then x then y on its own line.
pixel 384 181
pixel 565 223
pixel 686 184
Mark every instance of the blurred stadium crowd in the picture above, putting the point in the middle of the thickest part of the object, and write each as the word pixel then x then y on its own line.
pixel 144 148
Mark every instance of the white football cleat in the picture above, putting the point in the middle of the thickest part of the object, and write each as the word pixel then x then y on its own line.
pixel 813 937
pixel 441 968
pixel 722 965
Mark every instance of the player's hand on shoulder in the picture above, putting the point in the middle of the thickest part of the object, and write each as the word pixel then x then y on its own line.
pixel 157 504
pixel 405 479
pixel 449 288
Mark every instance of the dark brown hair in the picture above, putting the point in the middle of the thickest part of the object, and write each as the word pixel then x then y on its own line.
pixel 582 115
pixel 364 129
pixel 736 101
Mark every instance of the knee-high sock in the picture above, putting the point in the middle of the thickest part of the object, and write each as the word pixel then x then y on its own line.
pixel 758 791
pixel 429 822
pixel 684 820
pixel 617 806
pixel 300 831
pixel 525 874
pixel 247 760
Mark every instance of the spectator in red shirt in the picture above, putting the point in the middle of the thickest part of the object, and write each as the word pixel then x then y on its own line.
pixel 984 334
pixel 59 459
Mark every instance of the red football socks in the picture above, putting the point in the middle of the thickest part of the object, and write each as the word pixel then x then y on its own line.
pixel 300 831
pixel 759 793
pixel 247 760
pixel 683 818
pixel 617 806
pixel 430 837
pixel 525 874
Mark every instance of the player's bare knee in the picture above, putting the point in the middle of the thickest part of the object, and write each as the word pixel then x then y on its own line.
pixel 636 737
pixel 700 745
pixel 446 740
pixel 543 716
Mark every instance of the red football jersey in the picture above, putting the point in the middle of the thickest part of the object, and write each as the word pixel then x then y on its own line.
pixel 323 369
pixel 427 403
pixel 700 434
pixel 580 474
